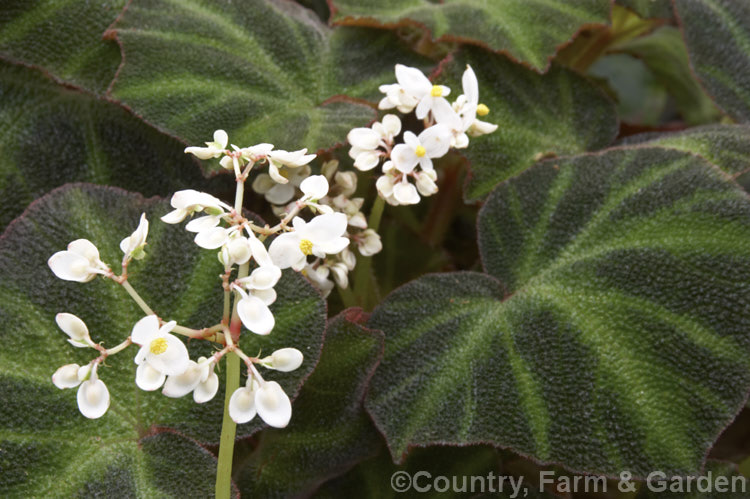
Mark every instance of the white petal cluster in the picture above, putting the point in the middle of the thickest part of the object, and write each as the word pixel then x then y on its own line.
pixel 370 144
pixel 323 235
pixel 161 354
pixel 447 125
pixel 80 262
pixel 213 149
pixel 132 246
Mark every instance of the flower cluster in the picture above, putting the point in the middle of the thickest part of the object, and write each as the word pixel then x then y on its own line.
pixel 321 224
pixel 446 125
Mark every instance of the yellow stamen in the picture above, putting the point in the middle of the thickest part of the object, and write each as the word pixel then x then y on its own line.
pixel 420 151
pixel 158 346
pixel 305 246
pixel 437 91
pixel 483 110
pixel 284 173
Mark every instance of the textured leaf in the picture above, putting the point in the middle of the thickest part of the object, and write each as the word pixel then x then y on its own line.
pixel 556 113
pixel 663 51
pixel 470 467
pixel 619 340
pixel 717 34
pixel 530 31
pixel 330 431
pixel 162 465
pixel 726 146
pixel 649 9
pixel 177 279
pixel 53 135
pixel 264 71
pixel 64 37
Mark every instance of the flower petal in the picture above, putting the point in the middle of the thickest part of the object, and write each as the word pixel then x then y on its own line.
pixel 93 398
pixel 412 80
pixel 363 138
pixel 255 315
pixel 242 405
pixel 203 223
pixel 66 376
pixel 284 250
pixel 314 187
pixel 72 326
pixel 179 385
pixel 213 238
pixel 404 158
pixel 286 359
pixel 147 378
pixel 145 330
pixel 85 248
pixel 173 359
pixel 206 390
pixel 436 140
pixel 273 404
pixel 70 266
pixel 405 193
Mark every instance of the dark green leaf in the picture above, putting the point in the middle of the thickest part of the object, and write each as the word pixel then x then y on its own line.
pixel 556 113
pixel 621 336
pixel 530 31
pixel 54 135
pixel 663 51
pixel 177 279
pixel 717 34
pixel 264 71
pixel 64 37
pixel 329 431
pixel 649 9
pixel 726 146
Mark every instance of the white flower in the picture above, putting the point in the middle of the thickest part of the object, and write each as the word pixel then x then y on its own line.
pixel 405 193
pixel 416 84
pixel 209 384
pixel 67 376
pixel 462 116
pixel 367 141
pixel 147 378
pixel 242 403
pixel 433 142
pixel 198 378
pixel 212 238
pixel 254 313
pixel 369 243
pixel 426 182
pixel 276 193
pixel 340 274
pixel 322 235
pixel 285 360
pixel 133 245
pixel 396 96
pixel 314 188
pixel 189 201
pixel 318 277
pixel 76 329
pixel 162 351
pixel 273 405
pixel 279 159
pixel 214 149
pixel 79 263
pixel 345 182
pixel 93 397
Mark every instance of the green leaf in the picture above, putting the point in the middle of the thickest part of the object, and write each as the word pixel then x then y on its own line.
pixel 663 51
pixel 475 471
pixel 329 431
pixel 726 146
pixel 557 113
pixel 720 479
pixel 64 37
pixel 717 34
pixel 176 278
pixel 264 71
pixel 619 340
pixel 162 465
pixel 55 135
pixel 530 31
pixel 649 9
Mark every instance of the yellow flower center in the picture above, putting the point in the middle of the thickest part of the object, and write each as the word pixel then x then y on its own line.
pixel 420 151
pixel 437 91
pixel 483 110
pixel 305 246
pixel 158 346
pixel 284 173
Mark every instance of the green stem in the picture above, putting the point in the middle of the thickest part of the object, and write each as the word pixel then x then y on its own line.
pixel 232 383
pixel 228 430
pixel 347 297
pixel 137 298
pixel 362 277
